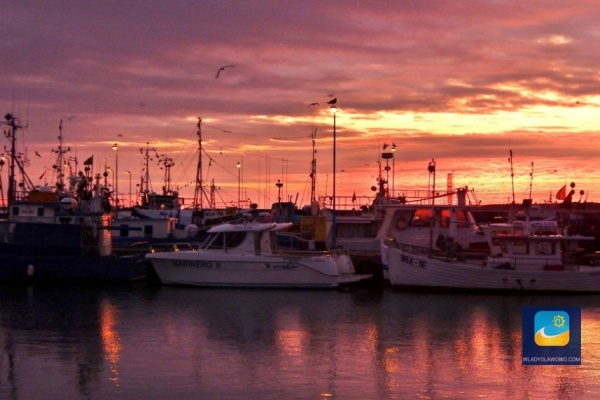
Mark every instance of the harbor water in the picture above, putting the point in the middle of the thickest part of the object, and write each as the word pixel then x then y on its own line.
pixel 144 341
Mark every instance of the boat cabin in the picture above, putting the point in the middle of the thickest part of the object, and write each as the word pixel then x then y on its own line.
pixel 244 239
pixel 531 246
pixel 422 225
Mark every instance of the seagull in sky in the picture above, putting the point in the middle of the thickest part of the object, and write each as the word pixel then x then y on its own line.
pixel 313 104
pixel 37 154
pixel 223 69
pixel 332 101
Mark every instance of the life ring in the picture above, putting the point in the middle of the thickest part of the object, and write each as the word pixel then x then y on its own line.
pixel 401 224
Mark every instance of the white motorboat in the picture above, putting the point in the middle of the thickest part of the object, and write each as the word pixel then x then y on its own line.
pixel 246 255
pixel 526 256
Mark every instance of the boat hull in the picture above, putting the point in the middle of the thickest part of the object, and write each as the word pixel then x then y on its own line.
pixel 407 269
pixel 73 267
pixel 191 268
pixel 43 251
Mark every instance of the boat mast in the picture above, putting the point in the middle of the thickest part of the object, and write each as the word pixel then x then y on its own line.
pixel 144 186
pixel 11 121
pixel 512 175
pixel 60 175
pixel 313 170
pixel 168 163
pixel 198 201
pixel 531 180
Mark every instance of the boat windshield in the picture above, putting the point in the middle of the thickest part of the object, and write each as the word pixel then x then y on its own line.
pixel 223 240
pixel 422 217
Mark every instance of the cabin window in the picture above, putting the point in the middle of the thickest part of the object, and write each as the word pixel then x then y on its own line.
pixel 40 211
pixel 366 230
pixel 421 218
pixel 462 219
pixel 544 248
pixel 148 230
pixel 124 231
pixel 234 239
pixel 520 247
pixel 345 230
pixel 213 241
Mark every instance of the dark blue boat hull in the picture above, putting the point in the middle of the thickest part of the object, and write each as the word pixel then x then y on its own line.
pixel 37 252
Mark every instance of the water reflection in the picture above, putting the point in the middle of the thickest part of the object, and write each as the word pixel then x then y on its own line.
pixel 46 331
pixel 154 342
pixel 110 337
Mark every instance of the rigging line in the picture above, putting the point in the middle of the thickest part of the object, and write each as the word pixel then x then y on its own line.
pixel 274 158
pixel 228 131
pixel 181 168
pixel 290 139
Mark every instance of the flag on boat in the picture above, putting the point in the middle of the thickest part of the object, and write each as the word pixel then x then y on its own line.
pixel 562 193
pixel 354 197
pixel 89 161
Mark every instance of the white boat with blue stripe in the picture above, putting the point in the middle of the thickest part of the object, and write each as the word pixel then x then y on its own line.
pixel 246 255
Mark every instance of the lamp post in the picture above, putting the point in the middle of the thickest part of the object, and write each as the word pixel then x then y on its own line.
pixel 2 160
pixel 129 173
pixel 393 169
pixel 333 109
pixel 431 169
pixel 239 167
pixel 115 147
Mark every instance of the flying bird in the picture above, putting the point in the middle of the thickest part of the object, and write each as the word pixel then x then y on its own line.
pixel 37 154
pixel 223 69
pixel 313 104
pixel 332 101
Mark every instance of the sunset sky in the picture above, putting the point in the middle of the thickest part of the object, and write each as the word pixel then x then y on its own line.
pixel 460 82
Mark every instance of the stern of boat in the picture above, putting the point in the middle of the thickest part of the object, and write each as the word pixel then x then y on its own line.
pixel 344 264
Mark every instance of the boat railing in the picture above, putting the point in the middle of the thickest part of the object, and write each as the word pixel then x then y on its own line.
pixel 293 241
pixel 175 246
pixel 131 249
pixel 146 247
pixel 449 255
pixel 300 253
pixel 290 243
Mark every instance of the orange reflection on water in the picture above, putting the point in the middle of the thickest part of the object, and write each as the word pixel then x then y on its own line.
pixel 110 338
pixel 291 337
pixel 590 337
pixel 291 342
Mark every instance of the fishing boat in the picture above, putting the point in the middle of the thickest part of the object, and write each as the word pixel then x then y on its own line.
pixel 524 256
pixel 246 255
pixel 169 205
pixel 416 221
pixel 61 232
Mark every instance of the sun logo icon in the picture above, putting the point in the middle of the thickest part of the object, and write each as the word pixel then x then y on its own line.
pixel 551 328
pixel 558 321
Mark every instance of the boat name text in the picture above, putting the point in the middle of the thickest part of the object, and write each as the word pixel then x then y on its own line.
pixel 196 264
pixel 413 261
pixel 282 266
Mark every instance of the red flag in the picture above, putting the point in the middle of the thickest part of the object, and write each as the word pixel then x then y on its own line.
pixel 562 193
